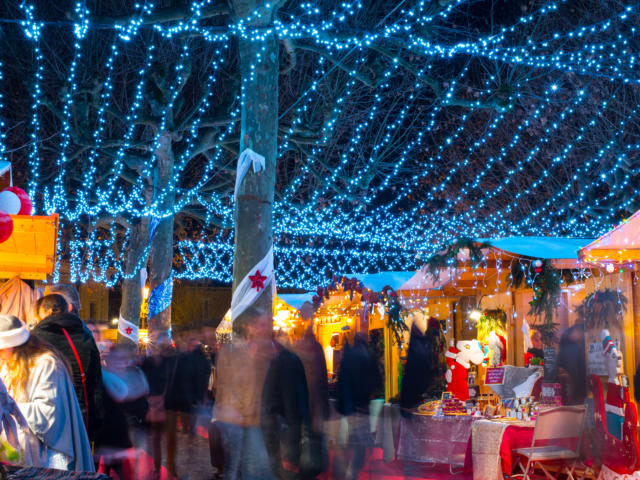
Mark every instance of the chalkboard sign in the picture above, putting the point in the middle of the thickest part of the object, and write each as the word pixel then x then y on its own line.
pixel 494 376
pixel 549 363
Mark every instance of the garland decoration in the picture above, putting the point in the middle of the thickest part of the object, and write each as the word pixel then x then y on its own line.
pixel 353 285
pixel 395 313
pixel 456 254
pixel 546 281
pixel 602 308
pixel 492 319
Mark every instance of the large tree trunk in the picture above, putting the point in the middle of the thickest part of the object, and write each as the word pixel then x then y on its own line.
pixel 132 287
pixel 161 258
pixel 253 215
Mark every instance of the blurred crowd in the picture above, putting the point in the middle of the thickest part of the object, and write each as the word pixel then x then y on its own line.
pixel 262 400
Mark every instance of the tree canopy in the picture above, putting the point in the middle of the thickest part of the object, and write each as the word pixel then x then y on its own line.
pixel 402 124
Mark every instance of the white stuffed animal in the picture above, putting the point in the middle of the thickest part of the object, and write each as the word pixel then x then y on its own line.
pixel 459 360
pixel 612 358
pixel 497 349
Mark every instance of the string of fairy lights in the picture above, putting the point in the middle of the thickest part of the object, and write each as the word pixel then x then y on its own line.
pixel 346 210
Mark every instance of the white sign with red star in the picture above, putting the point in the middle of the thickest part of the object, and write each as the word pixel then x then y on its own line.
pixel 252 285
pixel 128 329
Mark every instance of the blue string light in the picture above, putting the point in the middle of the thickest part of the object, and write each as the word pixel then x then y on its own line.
pixel 344 209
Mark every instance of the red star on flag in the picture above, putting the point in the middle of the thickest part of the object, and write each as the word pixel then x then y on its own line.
pixel 257 280
pixel 128 330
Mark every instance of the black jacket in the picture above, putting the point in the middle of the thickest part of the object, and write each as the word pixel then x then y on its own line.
pixel 50 330
pixel 418 371
pixel 358 379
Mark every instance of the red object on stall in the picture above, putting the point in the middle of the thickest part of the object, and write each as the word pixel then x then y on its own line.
pixel 6 226
pixel 621 456
pixel 26 206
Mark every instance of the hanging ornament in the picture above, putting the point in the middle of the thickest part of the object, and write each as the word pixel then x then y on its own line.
pixel 6 226
pixel 9 202
pixel 538 266
pixel 610 268
pixel 26 207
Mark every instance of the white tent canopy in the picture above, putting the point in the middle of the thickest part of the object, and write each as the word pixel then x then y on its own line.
pixel 622 244
pixel 377 281
pixel 296 300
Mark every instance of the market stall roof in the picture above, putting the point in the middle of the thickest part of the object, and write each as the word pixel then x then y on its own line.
pixel 422 280
pixel 622 244
pixel 540 247
pixel 296 300
pixel 377 281
pixel 31 249
pixel 563 252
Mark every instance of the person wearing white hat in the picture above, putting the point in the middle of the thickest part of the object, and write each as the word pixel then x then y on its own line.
pixel 37 377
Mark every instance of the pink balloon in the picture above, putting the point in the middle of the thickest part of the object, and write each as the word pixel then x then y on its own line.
pixel 26 205
pixel 6 226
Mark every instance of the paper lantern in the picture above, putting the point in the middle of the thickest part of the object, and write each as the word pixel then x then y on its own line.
pixel 6 227
pixel 26 205
pixel 10 202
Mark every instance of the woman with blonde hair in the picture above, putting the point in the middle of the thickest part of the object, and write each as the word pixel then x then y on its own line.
pixel 37 377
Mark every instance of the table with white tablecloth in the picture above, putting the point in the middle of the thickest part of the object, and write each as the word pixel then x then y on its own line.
pixel 434 439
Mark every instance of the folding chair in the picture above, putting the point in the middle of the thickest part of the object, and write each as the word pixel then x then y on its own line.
pixel 556 440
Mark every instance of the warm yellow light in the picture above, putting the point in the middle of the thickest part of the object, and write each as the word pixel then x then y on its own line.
pixel 145 293
pixel 475 315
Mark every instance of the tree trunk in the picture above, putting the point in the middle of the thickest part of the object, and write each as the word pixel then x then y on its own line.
pixel 132 287
pixel 259 124
pixel 161 257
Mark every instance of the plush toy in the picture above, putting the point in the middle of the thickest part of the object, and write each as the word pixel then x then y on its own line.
pixel 614 404
pixel 459 360
pixel 450 359
pixel 498 346
pixel 612 357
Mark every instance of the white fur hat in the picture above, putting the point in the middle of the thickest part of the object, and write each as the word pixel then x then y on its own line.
pixel 13 332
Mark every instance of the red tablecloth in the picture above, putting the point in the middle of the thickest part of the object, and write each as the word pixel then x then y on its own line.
pixel 514 437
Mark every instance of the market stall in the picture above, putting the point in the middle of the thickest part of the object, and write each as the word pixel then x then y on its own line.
pixel 490 294
pixel 366 303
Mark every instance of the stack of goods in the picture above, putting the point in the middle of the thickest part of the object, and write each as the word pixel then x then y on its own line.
pixel 453 406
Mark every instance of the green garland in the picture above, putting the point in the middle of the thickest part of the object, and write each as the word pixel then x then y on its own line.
pixel 448 258
pixel 495 319
pixel 395 314
pixel 601 308
pixel 546 281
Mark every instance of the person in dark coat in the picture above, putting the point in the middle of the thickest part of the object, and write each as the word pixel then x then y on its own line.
pixel 417 371
pixel 311 354
pixel 571 365
pixel 201 371
pixel 285 412
pixel 358 380
pixel 55 318
pixel 423 366
pixel 162 372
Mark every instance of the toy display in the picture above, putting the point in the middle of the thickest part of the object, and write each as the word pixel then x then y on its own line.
pixel 459 359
